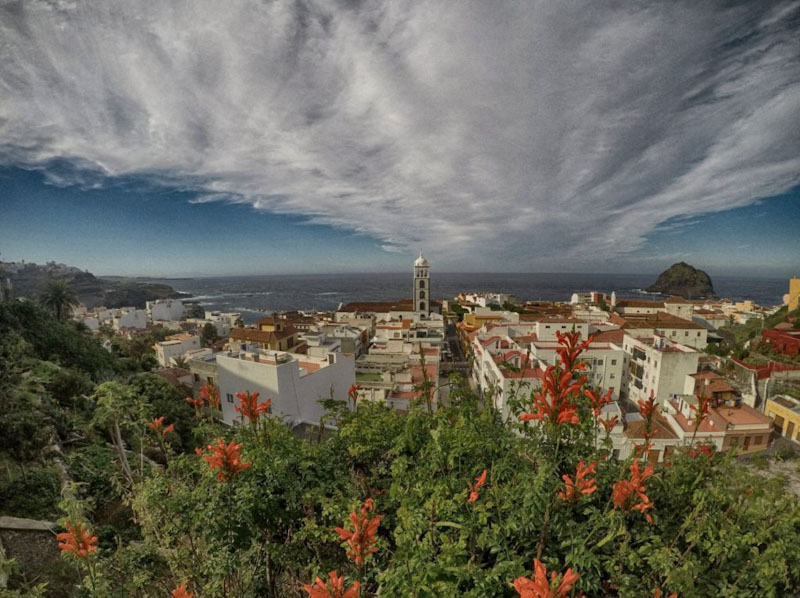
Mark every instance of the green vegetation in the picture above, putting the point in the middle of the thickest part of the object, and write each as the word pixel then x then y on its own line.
pixel 368 377
pixel 744 340
pixel 209 335
pixel 32 281
pixel 257 517
pixel 59 298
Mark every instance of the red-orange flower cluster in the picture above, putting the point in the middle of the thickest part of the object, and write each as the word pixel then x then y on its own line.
pixel 583 485
pixel 333 589
pixel 657 594
pixel 702 449
pixel 157 426
pixel 554 402
pixel 196 403
pixel 626 490
pixel 182 592
pixel 210 393
pixel 473 488
pixel 227 459
pixel 609 423
pixel 249 406
pixel 571 349
pixel 77 540
pixel 596 401
pixel 352 393
pixel 647 408
pixel 361 541
pixel 702 409
pixel 541 587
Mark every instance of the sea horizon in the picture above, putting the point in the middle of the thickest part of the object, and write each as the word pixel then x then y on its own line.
pixel 255 295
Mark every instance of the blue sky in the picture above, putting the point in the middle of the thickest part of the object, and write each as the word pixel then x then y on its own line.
pixel 212 138
pixel 132 229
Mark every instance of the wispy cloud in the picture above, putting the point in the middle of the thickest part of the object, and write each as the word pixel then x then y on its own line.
pixel 474 130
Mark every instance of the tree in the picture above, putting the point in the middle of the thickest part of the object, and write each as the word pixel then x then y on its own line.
pixel 59 298
pixel 209 334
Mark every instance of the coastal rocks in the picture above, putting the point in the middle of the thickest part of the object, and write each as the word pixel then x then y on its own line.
pixel 683 280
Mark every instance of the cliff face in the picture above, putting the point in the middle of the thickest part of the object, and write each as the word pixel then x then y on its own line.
pixel 685 281
pixel 29 280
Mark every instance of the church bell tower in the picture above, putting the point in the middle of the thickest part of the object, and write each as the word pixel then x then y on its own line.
pixel 422 286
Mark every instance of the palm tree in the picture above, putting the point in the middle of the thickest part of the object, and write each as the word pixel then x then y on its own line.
pixel 59 298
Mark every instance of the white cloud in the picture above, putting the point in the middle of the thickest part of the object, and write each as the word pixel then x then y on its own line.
pixel 538 132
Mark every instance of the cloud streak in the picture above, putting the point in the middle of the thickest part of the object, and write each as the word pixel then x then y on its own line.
pixel 479 131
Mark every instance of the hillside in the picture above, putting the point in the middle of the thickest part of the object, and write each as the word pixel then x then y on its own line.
pixel 685 281
pixel 29 279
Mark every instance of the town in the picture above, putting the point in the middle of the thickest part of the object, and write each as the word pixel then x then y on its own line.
pixel 409 350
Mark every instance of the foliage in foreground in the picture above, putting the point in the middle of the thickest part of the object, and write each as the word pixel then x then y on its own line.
pixel 467 505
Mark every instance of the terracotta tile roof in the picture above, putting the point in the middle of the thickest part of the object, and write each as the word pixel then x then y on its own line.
pixel 659 319
pixel 661 429
pixel 676 299
pixel 526 373
pixel 609 336
pixel 743 415
pixel 260 336
pixel 173 375
pixel 705 426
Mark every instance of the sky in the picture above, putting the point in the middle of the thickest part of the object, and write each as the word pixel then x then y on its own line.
pixel 208 138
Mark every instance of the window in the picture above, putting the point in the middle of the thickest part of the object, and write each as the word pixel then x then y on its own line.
pixel 422 284
pixel 698 334
pixel 758 439
pixel 229 396
pixel 422 294
pixel 613 376
pixel 613 362
pixel 686 333
pixel 599 362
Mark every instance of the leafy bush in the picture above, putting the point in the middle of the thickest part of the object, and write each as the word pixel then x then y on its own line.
pixel 53 340
pixel 33 494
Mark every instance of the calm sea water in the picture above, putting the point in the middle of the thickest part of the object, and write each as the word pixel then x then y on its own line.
pixel 256 295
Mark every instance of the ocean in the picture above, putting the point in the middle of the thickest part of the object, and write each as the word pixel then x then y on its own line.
pixel 254 296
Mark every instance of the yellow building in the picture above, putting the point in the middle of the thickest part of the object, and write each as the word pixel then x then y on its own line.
pixel 794 293
pixel 785 412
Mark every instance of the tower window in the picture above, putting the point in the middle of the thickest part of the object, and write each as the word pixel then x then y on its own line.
pixel 422 284
pixel 422 305
pixel 422 294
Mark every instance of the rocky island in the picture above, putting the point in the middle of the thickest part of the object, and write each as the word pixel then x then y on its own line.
pixel 685 281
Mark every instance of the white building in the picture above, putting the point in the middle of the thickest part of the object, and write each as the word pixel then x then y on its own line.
pixel 491 374
pixel 174 347
pixel 422 286
pixel 165 309
pixel 656 364
pixel 129 317
pixel 294 383
pixel 605 363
